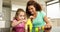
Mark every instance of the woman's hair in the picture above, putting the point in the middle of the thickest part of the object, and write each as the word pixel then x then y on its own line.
pixel 18 12
pixel 35 4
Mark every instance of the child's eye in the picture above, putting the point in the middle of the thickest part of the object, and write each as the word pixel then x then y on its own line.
pixel 24 18
pixel 20 15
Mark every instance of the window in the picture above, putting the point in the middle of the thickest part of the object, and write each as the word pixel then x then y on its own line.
pixel 53 11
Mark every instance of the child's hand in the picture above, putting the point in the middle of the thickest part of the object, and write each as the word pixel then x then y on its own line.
pixel 20 21
pixel 24 20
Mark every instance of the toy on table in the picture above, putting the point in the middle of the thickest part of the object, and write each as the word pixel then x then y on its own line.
pixel 29 25
pixel 41 28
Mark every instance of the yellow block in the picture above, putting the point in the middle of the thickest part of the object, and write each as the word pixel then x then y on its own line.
pixel 36 29
pixel 42 27
pixel 30 24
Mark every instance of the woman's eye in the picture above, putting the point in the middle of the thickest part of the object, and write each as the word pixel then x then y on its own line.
pixel 31 8
pixel 28 9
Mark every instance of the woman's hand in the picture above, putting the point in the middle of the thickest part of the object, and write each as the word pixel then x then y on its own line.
pixel 31 17
pixel 48 25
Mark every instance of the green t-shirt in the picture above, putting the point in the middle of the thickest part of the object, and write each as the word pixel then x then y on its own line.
pixel 39 20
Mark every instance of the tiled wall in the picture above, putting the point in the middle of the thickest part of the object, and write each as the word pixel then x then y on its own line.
pixel 0 9
pixel 58 22
pixel 0 5
pixel 4 29
pixel 55 22
pixel 6 19
pixel 7 16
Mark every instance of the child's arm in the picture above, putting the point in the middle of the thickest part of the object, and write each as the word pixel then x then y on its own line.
pixel 26 30
pixel 14 23
pixel 25 21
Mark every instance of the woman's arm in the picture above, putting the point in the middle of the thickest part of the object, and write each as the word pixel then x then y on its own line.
pixel 48 23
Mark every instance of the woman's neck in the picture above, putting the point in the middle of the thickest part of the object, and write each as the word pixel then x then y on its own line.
pixel 35 15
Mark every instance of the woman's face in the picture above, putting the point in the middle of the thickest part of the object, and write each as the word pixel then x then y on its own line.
pixel 32 9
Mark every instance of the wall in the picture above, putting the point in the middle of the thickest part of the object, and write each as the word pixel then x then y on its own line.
pixel 56 22
pixel 0 5
pixel 56 17
pixel 5 22
pixel 7 16
pixel 0 9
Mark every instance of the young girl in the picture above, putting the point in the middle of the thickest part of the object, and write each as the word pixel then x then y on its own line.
pixel 19 21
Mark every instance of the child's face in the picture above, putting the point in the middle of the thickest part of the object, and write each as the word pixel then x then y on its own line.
pixel 21 16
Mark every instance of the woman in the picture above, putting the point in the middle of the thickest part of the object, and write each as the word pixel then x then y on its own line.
pixel 39 18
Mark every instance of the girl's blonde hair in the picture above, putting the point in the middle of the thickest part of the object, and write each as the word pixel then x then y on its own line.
pixel 18 12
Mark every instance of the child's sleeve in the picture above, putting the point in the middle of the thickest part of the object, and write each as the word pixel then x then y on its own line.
pixel 13 21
